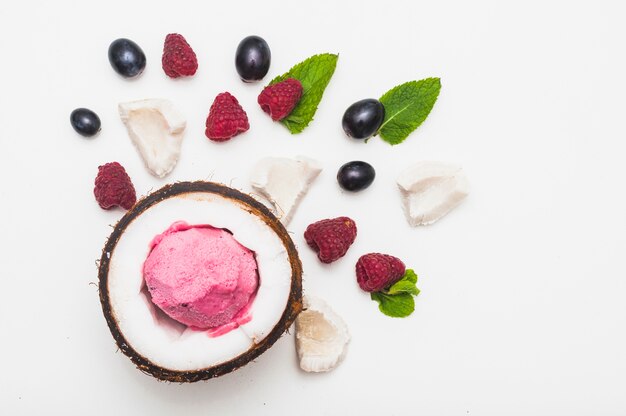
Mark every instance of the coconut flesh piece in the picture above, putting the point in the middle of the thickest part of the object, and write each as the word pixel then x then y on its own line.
pixel 164 347
pixel 430 190
pixel 156 128
pixel 321 337
pixel 284 182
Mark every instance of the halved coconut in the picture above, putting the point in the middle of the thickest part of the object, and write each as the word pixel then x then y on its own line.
pixel 167 349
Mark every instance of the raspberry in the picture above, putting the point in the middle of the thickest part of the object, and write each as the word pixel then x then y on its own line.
pixel 179 60
pixel 279 100
pixel 331 238
pixel 113 187
pixel 375 271
pixel 226 118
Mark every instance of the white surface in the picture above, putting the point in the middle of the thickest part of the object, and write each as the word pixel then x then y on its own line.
pixel 189 349
pixel 522 308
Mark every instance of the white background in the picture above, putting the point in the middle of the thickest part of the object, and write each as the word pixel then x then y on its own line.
pixel 522 309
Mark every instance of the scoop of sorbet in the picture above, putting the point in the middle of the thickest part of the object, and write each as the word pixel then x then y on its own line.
pixel 200 275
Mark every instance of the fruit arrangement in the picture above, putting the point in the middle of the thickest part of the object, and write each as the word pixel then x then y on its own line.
pixel 229 275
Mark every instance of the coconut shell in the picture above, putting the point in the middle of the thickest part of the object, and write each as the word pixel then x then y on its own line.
pixel 294 303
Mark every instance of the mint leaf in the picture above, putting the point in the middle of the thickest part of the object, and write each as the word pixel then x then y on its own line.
pixel 396 306
pixel 410 275
pixel 406 107
pixel 397 301
pixel 403 286
pixel 314 73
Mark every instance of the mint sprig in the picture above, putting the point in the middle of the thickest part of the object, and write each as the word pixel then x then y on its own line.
pixel 404 287
pixel 314 74
pixel 397 300
pixel 397 306
pixel 406 107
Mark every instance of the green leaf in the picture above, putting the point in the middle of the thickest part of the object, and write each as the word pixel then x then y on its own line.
pixel 397 301
pixel 314 74
pixel 403 286
pixel 410 275
pixel 396 306
pixel 406 107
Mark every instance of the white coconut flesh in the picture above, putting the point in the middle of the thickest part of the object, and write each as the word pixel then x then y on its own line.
pixel 322 337
pixel 165 342
pixel 156 129
pixel 284 182
pixel 430 190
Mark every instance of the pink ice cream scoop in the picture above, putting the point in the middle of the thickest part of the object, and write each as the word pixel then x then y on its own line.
pixel 201 276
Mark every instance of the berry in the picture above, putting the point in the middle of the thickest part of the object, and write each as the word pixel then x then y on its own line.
pixel 127 58
pixel 356 176
pixel 113 187
pixel 363 118
pixel 331 238
pixel 278 100
pixel 375 271
pixel 226 118
pixel 85 122
pixel 178 60
pixel 252 59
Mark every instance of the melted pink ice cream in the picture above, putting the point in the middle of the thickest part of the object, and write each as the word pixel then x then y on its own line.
pixel 202 277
